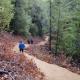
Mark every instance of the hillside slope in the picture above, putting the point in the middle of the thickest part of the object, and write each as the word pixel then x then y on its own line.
pixel 51 71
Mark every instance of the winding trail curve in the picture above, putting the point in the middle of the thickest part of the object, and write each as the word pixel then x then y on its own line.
pixel 51 71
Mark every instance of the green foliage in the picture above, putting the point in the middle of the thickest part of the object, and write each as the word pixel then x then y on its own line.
pixel 66 21
pixel 6 14
pixel 21 21
pixel 39 19
pixel 27 14
pixel 69 38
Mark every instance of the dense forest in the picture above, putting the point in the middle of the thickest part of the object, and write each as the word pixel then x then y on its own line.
pixel 37 17
pixel 54 26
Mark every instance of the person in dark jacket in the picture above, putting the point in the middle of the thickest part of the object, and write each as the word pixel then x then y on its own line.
pixel 30 39
pixel 21 46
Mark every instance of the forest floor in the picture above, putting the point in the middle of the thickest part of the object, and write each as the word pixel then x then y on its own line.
pixel 51 71
pixel 16 66
pixel 42 64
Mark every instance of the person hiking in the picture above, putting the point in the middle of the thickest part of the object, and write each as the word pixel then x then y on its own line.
pixel 30 39
pixel 21 46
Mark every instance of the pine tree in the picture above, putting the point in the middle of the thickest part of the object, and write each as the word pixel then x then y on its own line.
pixel 6 14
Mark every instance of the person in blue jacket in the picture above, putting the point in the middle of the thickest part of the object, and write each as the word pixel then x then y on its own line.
pixel 21 46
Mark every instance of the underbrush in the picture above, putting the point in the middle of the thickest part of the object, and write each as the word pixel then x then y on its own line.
pixel 17 66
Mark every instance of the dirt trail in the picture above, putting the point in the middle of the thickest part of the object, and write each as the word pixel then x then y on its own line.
pixel 43 42
pixel 51 71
